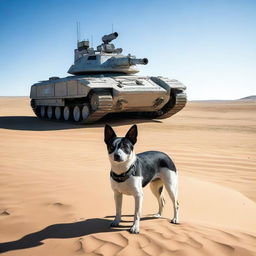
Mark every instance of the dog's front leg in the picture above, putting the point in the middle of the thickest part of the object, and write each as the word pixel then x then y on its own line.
pixel 138 205
pixel 118 201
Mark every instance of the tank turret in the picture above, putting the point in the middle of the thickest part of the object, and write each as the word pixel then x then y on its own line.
pixel 105 59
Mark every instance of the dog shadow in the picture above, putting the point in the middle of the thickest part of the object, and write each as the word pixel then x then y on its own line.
pixel 62 230
pixel 66 230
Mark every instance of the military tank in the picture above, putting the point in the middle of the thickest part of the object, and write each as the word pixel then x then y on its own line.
pixel 103 82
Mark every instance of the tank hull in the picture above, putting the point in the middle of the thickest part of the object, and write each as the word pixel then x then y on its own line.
pixel 88 98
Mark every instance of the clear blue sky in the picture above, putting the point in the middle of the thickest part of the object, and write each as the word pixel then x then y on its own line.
pixel 209 45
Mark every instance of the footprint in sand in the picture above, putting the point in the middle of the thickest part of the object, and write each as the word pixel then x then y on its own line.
pixel 5 213
pixel 59 204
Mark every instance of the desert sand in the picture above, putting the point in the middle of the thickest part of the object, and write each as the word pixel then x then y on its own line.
pixel 56 199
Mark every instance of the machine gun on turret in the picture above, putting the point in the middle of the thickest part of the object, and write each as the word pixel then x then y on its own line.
pixel 106 46
pixel 110 37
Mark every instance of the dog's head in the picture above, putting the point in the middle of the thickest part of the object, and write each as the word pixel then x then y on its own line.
pixel 120 149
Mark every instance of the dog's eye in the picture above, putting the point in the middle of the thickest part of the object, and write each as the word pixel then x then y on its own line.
pixel 125 148
pixel 111 148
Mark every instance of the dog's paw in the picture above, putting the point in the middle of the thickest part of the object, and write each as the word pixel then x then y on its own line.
pixel 115 223
pixel 174 221
pixel 134 229
pixel 157 215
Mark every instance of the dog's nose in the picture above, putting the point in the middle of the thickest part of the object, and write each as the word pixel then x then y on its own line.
pixel 117 157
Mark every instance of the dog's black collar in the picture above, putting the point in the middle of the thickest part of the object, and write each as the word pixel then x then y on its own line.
pixel 126 175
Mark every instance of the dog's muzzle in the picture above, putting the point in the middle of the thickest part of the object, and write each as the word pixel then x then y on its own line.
pixel 117 158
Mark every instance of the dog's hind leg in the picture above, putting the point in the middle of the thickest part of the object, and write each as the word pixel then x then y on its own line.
pixel 170 179
pixel 157 189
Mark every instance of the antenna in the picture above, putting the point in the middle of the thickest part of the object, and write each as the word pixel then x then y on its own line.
pixel 78 30
pixel 92 40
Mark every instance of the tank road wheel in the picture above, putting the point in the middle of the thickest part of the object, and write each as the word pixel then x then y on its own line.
pixel 49 112
pixel 42 111
pixel 76 113
pixel 57 113
pixel 66 113
pixel 85 112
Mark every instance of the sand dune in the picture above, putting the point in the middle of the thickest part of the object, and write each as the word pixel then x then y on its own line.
pixel 55 196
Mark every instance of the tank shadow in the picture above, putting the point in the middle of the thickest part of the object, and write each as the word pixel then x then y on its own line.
pixel 31 123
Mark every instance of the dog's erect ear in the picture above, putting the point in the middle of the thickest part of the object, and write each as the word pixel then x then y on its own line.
pixel 132 134
pixel 109 133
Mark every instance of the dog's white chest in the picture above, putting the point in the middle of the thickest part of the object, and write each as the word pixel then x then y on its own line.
pixel 132 186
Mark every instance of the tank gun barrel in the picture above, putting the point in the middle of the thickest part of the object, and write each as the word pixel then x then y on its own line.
pixel 128 61
pixel 135 61
pixel 108 38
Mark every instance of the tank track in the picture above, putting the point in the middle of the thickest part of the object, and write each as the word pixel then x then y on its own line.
pixel 104 105
pixel 177 103
pixel 34 108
